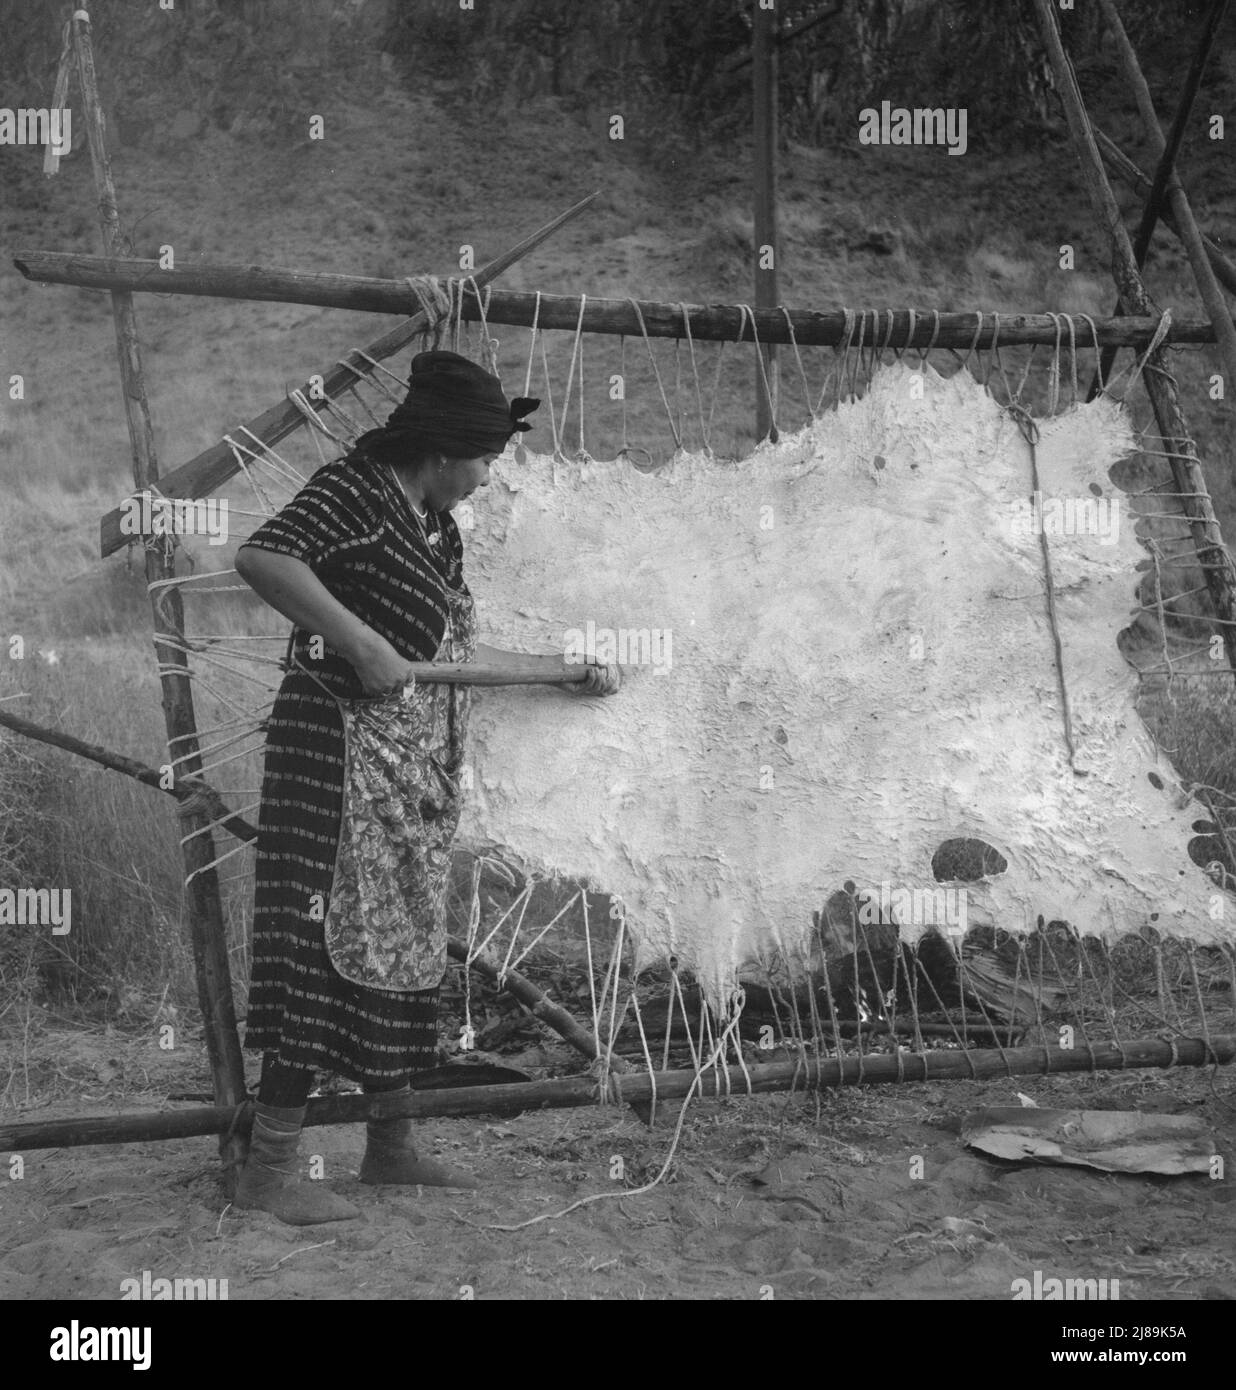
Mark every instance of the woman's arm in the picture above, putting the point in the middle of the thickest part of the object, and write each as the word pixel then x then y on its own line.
pixel 292 588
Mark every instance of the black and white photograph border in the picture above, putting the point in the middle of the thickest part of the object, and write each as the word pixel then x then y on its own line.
pixel 677 551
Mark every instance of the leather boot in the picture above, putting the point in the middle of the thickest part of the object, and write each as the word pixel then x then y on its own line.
pixel 391 1158
pixel 268 1181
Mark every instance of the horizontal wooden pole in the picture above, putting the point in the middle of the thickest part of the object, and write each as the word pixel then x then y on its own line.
pixel 637 1088
pixel 709 322
pixel 326 290
pixel 214 466
pixel 194 794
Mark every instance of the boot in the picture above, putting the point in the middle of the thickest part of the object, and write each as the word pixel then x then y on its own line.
pixel 390 1157
pixel 268 1181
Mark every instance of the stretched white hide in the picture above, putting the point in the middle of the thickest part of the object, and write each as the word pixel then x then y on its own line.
pixel 862 666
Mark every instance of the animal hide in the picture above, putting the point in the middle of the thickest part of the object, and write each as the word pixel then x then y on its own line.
pixel 861 666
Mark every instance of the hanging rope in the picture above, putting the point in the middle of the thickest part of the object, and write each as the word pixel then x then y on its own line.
pixel 1004 376
pixel 1098 354
pixel 1053 371
pixel 489 346
pixel 1135 369
pixel 716 387
pixel 857 356
pixel 433 300
pixel 622 393
pixel 748 316
pixel 549 402
pixel 931 342
pixel 695 374
pixel 1068 318
pixel 577 357
pixel 682 433
pixel 274 462
pixel 888 337
pixel 798 357
pixel 1025 375
pixel 536 328
pixel 669 414
pixel 836 374
pixel 973 348
pixel 905 347
pixel 1030 433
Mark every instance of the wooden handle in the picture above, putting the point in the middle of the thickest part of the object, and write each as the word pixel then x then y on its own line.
pixel 529 670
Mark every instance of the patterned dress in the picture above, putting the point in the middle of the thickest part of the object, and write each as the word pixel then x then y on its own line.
pixel 360 796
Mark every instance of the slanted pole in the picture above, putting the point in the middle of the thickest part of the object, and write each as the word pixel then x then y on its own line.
pixel 213 468
pixel 1224 269
pixel 1167 187
pixel 764 155
pixel 204 909
pixel 1165 152
pixel 1213 558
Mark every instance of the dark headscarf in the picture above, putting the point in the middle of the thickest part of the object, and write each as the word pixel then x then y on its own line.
pixel 453 407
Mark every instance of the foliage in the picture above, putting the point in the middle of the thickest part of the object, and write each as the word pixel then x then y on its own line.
pixel 691 57
pixel 242 65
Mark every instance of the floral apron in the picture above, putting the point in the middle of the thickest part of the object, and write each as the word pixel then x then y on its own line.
pixel 386 920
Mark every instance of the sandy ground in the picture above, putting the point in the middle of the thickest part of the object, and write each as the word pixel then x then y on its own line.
pixel 767 1196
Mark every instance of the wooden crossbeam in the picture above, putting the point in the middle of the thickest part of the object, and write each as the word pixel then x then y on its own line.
pixel 708 322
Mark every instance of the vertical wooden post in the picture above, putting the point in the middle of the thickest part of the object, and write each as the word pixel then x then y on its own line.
pixel 205 913
pixel 1213 558
pixel 764 154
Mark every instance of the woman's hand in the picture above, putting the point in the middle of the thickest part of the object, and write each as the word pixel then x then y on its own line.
pixel 292 588
pixel 599 680
pixel 382 671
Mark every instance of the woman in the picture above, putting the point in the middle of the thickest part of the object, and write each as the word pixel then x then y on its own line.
pixel 360 797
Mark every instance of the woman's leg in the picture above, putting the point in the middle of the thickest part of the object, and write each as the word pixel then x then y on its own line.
pixel 390 1156
pixel 269 1181
pixel 282 1085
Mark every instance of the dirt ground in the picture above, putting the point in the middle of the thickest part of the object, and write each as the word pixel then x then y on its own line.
pixel 767 1196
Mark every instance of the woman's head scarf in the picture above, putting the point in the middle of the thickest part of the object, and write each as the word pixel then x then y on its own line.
pixel 453 407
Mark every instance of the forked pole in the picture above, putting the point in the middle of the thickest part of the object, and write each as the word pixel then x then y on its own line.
pixel 204 910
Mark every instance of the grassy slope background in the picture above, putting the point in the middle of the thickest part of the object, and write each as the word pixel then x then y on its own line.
pixel 406 174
